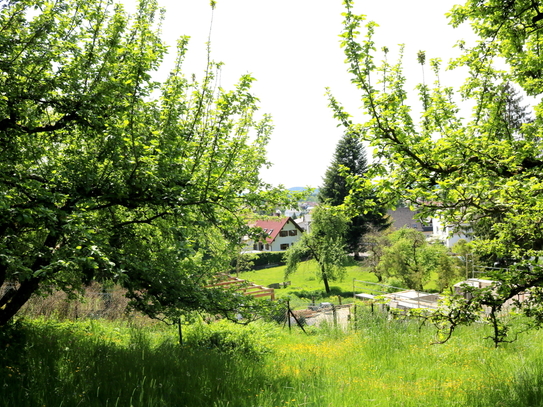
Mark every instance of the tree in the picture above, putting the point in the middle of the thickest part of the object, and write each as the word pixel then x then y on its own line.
pixel 107 174
pixel 412 259
pixel 376 243
pixel 486 171
pixel 467 258
pixel 325 243
pixel 350 157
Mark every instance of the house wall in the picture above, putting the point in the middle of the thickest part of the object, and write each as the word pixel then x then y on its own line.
pixel 293 235
pixel 405 217
pixel 447 234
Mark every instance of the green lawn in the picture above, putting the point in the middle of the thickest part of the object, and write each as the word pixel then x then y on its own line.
pixel 305 280
pixel 305 283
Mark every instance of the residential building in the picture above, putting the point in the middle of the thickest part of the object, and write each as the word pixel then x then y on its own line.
pixel 305 222
pixel 278 235
pixel 406 218
pixel 450 234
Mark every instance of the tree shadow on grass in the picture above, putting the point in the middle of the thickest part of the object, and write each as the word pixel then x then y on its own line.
pixel 318 295
pixel 72 367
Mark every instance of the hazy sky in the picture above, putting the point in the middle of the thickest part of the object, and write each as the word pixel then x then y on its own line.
pixel 292 48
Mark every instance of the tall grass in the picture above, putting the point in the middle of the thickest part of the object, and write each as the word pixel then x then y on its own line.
pixel 97 364
pixel 383 363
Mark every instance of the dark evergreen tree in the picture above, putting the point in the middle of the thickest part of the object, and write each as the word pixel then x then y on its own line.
pixel 351 154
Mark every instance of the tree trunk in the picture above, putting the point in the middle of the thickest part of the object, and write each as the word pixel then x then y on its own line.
pixel 16 300
pixel 326 285
pixel 325 280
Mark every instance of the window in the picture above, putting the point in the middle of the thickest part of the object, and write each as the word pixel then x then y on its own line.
pixel 267 247
pixel 284 246
pixel 292 232
pixel 283 233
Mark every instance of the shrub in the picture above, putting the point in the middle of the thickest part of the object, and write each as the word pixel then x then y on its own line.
pixel 394 282
pixel 247 341
pixel 267 259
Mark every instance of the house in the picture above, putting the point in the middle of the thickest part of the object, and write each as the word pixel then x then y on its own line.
pixel 305 222
pixel 404 217
pixel 433 228
pixel 278 235
pixel 450 234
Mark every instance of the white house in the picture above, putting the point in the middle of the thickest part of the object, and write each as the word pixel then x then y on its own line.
pixel 278 235
pixel 449 234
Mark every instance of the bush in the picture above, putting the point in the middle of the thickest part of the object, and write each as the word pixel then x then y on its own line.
pixel 310 295
pixel 268 259
pixel 394 282
pixel 247 341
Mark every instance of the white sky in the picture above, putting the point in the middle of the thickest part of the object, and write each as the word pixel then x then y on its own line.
pixel 292 48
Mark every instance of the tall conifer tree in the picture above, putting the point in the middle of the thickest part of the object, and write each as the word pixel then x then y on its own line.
pixel 350 153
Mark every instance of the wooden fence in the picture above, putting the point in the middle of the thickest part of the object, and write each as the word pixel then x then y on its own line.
pixel 245 287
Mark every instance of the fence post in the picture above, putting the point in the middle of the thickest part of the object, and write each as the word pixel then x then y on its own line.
pixel 288 315
pixel 180 331
pixel 353 318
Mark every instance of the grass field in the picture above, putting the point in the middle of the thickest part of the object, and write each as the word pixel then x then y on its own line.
pixel 381 363
pixel 304 283
pixel 376 360
pixel 305 280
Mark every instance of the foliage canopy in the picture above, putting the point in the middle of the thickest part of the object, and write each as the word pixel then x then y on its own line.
pixel 108 174
pixel 412 259
pixel 486 171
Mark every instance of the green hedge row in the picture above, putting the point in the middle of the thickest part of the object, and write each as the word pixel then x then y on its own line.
pixel 255 261
pixel 268 259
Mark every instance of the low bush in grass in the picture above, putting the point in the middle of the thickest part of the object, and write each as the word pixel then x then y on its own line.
pixel 267 259
pixel 247 341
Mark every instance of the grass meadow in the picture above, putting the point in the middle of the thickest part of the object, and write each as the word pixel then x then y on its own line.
pixel 61 354
pixel 305 284
pixel 304 281
pixel 383 362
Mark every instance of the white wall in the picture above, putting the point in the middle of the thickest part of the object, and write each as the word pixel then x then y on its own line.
pixel 276 245
pixel 447 234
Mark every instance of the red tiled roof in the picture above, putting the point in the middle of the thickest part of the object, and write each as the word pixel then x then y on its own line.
pixel 273 226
